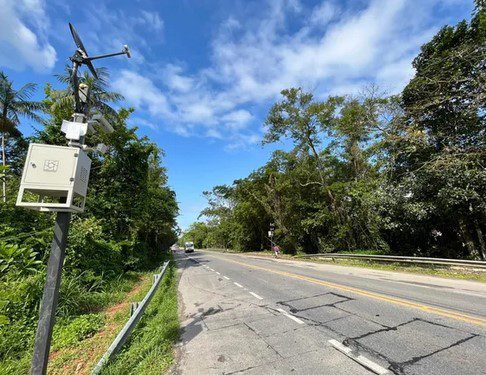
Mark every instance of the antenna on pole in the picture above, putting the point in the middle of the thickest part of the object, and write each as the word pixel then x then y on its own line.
pixel 81 57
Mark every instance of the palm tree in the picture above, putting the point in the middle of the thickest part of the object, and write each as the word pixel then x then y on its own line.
pixel 13 105
pixel 99 94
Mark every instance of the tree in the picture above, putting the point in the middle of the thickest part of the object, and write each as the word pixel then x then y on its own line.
pixel 60 103
pixel 303 120
pixel 445 123
pixel 447 96
pixel 403 174
pixel 100 96
pixel 13 105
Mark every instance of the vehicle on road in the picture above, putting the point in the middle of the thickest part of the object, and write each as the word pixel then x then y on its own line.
pixel 189 247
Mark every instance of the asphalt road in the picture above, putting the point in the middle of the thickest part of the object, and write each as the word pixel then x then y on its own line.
pixel 249 315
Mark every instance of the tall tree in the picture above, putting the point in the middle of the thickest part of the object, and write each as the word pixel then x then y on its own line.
pixel 13 105
pixel 445 122
pixel 100 96
pixel 60 103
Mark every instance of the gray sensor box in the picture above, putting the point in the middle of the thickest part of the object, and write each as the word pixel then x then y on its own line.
pixel 55 178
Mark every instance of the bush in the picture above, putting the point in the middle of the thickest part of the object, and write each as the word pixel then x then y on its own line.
pixel 89 251
pixel 17 261
pixel 68 333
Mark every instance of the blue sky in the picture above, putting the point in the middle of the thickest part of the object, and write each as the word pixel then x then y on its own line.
pixel 205 72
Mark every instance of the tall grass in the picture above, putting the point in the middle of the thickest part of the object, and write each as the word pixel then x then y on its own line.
pixel 150 347
pixel 78 300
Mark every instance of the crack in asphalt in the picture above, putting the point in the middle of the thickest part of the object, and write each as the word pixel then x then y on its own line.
pixel 398 368
pixel 265 341
pixel 295 310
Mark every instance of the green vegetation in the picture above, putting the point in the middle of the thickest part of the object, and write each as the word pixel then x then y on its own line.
pixel 384 174
pixel 80 355
pixel 127 227
pixel 150 347
pixel 77 330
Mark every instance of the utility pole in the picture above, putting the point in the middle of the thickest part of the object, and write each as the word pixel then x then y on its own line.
pixel 51 293
pixel 58 176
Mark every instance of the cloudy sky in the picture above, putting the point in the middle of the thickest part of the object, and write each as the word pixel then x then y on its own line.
pixel 205 72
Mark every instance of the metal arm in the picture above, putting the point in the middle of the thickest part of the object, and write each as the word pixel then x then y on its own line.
pixel 107 55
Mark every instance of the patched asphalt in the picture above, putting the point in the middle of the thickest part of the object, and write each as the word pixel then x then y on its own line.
pixel 226 329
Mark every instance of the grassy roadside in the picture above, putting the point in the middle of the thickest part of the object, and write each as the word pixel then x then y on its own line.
pixel 78 346
pixel 149 349
pixel 423 270
pixel 71 333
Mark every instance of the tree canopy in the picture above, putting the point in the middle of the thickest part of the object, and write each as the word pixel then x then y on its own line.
pixel 401 174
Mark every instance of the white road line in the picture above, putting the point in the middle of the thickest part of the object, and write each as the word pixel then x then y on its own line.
pixel 226 277
pixel 295 319
pixel 218 273
pixel 211 269
pixel 238 285
pixel 375 367
pixel 256 295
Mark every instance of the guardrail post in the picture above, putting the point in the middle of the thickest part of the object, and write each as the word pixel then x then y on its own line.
pixel 133 307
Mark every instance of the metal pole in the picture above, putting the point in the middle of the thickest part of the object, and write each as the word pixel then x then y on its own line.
pixel 50 296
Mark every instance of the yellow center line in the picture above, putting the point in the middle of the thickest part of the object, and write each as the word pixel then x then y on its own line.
pixel 397 301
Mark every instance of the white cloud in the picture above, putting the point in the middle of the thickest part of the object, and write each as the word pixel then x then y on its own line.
pixel 23 37
pixel 106 28
pixel 175 80
pixel 322 14
pixel 152 19
pixel 237 120
pixel 142 93
pixel 336 49
pixel 136 121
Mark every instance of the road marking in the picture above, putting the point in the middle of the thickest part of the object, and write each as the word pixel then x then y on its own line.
pixel 226 277
pixel 295 319
pixel 256 295
pixel 211 269
pixel 238 285
pixel 397 301
pixel 375 367
pixel 218 273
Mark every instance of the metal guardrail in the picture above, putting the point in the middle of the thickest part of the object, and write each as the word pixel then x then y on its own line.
pixel 132 322
pixel 403 259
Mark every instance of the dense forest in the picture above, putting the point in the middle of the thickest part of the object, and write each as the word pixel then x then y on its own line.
pixel 401 174
pixel 128 224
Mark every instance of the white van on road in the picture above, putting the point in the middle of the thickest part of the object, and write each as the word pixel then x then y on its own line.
pixel 189 247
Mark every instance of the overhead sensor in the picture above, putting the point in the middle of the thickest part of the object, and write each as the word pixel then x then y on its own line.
pixel 81 57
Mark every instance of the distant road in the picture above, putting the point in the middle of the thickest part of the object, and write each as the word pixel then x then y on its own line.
pixel 251 315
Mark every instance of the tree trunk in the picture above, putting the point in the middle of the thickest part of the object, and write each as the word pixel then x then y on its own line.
pixel 482 245
pixel 466 235
pixel 4 174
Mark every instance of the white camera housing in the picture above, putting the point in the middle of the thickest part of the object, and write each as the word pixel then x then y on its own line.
pixel 74 130
pixel 99 121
